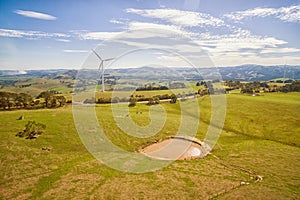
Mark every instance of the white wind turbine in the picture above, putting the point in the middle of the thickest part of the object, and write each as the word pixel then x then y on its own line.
pixel 102 67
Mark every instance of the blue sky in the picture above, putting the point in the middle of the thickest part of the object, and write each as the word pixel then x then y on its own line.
pixel 36 34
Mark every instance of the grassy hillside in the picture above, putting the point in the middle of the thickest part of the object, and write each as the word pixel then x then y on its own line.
pixel 272 116
pixel 34 86
pixel 260 137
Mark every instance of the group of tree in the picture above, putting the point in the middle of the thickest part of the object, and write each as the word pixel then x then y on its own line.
pixel 200 83
pixel 208 88
pixel 51 100
pixel 248 88
pixel 252 87
pixel 282 81
pixel 293 87
pixel 236 84
pixel 133 99
pixel 257 87
pixel 9 101
pixel 152 87
pixel 153 101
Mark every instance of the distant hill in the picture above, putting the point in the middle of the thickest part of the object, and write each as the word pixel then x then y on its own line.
pixel 51 74
pixel 259 73
pixel 243 72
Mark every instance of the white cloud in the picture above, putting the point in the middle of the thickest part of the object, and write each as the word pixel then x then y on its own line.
pixel 243 47
pixel 114 21
pixel 234 60
pixel 135 30
pixel 159 36
pixel 280 50
pixel 179 17
pixel 12 33
pixel 30 34
pixel 287 14
pixel 240 40
pixel 175 30
pixel 173 60
pixel 160 29
pixel 179 60
pixel 36 15
pixel 118 21
pixel 290 14
pixel 74 51
pixel 236 47
pixel 86 35
pixel 62 40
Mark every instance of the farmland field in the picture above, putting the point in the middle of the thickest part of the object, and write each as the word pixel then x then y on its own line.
pixel 257 155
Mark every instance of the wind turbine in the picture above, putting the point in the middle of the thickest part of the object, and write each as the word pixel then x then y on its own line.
pixel 102 67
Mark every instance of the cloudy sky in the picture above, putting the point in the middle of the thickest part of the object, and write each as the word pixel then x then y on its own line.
pixel 44 34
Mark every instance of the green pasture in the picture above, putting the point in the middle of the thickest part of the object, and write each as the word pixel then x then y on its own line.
pixel 260 137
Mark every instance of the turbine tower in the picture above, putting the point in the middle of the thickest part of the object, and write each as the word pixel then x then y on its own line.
pixel 102 67
pixel 284 74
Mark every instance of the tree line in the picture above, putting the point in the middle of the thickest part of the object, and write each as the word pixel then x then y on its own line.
pixel 46 99
pixel 133 99
pixel 147 87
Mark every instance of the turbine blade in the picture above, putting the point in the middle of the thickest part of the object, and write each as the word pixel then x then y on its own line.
pixel 97 54
pixel 108 59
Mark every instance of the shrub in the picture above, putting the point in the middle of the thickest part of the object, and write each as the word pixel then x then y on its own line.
pixel 173 98
pixel 132 102
pixel 104 100
pixel 32 130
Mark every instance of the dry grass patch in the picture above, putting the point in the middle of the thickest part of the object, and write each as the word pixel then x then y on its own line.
pixel 73 186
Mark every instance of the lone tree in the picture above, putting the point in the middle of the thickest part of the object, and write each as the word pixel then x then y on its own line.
pixel 132 102
pixel 32 130
pixel 173 98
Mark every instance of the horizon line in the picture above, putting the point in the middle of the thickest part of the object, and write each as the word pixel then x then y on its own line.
pixel 43 69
